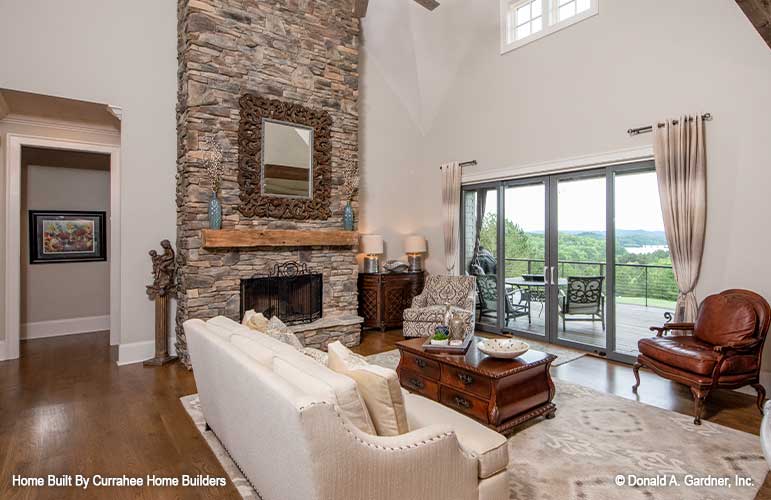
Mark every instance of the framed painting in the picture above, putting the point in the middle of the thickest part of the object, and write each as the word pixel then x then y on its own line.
pixel 66 236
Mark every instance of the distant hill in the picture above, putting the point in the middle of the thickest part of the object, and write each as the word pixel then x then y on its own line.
pixel 625 237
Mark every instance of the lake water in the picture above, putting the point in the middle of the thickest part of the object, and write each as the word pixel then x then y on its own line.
pixel 645 249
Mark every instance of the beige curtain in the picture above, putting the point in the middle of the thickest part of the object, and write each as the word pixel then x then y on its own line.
pixel 451 212
pixel 681 169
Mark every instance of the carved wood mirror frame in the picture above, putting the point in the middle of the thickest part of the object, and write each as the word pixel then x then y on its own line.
pixel 253 203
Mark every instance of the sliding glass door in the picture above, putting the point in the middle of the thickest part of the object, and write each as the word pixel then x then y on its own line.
pixel 578 259
pixel 645 288
pixel 524 251
pixel 480 245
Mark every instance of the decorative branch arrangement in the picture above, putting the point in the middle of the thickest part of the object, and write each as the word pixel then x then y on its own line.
pixel 350 176
pixel 213 164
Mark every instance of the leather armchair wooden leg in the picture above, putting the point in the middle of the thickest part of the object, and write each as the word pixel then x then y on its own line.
pixel 636 369
pixel 699 396
pixel 761 396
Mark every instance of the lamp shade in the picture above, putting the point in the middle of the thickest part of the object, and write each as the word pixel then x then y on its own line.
pixel 414 244
pixel 372 243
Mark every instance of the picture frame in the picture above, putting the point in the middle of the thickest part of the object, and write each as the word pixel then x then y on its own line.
pixel 61 236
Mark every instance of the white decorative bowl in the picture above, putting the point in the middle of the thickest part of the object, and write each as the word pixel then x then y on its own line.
pixel 440 342
pixel 503 348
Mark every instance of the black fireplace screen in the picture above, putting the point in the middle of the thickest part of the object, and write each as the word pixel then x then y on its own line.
pixel 290 292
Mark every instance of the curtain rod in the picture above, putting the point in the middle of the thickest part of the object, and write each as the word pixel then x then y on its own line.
pixel 462 164
pixel 643 130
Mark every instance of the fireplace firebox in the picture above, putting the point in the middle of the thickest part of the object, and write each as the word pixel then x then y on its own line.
pixel 290 291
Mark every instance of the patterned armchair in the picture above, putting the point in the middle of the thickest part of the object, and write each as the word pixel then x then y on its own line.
pixel 428 308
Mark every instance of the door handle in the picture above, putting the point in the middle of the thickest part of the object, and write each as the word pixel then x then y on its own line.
pixel 546 274
pixel 417 383
pixel 462 402
pixel 552 276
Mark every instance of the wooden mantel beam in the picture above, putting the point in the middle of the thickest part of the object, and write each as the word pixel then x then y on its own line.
pixel 759 14
pixel 252 238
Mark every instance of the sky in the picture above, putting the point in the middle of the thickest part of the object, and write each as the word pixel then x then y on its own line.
pixel 581 204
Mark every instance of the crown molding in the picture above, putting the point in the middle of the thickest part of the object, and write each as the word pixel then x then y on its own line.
pixel 583 162
pixel 4 109
pixel 14 119
pixel 115 111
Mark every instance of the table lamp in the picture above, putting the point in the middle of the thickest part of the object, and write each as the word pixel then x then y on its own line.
pixel 415 247
pixel 372 245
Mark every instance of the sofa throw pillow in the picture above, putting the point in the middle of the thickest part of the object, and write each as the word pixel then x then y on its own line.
pixel 274 328
pixel 316 355
pixel 255 321
pixel 378 386
pixel 279 331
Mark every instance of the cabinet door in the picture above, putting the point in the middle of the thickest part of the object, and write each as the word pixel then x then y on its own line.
pixel 396 294
pixel 369 300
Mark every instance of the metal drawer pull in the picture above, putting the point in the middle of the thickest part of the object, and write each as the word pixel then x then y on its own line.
pixel 421 363
pixel 466 378
pixel 462 402
pixel 416 382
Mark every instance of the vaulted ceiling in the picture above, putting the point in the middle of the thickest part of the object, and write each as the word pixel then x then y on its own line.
pixel 759 13
pixel 420 53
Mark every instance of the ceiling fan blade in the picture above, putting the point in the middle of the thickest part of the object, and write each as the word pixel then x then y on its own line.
pixel 360 8
pixel 429 4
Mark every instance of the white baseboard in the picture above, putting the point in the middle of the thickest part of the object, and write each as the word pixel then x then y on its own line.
pixel 135 352
pixel 765 379
pixel 72 326
pixel 2 350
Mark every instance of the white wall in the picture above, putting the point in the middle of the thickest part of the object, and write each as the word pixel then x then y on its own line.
pixel 120 53
pixel 63 291
pixel 576 93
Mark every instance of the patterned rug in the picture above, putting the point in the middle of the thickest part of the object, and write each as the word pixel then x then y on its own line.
pixel 595 438
pixel 564 355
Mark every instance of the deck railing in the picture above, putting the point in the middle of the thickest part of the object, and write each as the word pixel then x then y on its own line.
pixel 644 281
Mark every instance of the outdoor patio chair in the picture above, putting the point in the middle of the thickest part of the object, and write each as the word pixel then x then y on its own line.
pixel 583 300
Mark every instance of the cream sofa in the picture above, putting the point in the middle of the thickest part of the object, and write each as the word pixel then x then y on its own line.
pixel 293 440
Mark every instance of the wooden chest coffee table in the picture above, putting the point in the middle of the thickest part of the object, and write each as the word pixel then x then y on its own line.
pixel 500 393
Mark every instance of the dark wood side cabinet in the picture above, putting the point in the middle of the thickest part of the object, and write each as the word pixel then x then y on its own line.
pixel 383 297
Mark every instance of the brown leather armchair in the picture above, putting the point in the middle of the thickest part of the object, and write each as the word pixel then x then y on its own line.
pixel 723 350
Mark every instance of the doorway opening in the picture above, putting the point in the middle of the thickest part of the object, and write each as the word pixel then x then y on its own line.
pixel 62 235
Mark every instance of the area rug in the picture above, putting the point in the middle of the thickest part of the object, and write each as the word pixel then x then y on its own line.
pixel 564 354
pixel 597 438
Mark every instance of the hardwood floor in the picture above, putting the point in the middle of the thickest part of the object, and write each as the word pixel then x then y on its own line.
pixel 66 408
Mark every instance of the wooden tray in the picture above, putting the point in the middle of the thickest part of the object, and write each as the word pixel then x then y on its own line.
pixel 448 349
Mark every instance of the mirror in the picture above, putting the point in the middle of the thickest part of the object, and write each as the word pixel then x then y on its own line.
pixel 287 159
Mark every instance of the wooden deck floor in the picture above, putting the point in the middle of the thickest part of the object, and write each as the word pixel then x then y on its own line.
pixel 632 323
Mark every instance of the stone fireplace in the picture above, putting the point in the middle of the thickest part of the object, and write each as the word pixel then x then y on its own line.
pixel 291 291
pixel 295 51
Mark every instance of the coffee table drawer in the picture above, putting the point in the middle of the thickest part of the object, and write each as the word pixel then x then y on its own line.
pixel 465 380
pixel 419 384
pixel 474 407
pixel 421 365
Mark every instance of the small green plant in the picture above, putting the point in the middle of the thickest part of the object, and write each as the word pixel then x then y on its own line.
pixel 440 336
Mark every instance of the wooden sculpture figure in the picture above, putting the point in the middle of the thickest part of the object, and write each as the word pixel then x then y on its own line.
pixel 164 270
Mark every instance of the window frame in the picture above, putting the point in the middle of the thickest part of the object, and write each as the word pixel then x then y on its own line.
pixel 549 15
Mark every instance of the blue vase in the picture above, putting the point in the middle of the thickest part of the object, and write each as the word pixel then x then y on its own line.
pixel 215 212
pixel 348 216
